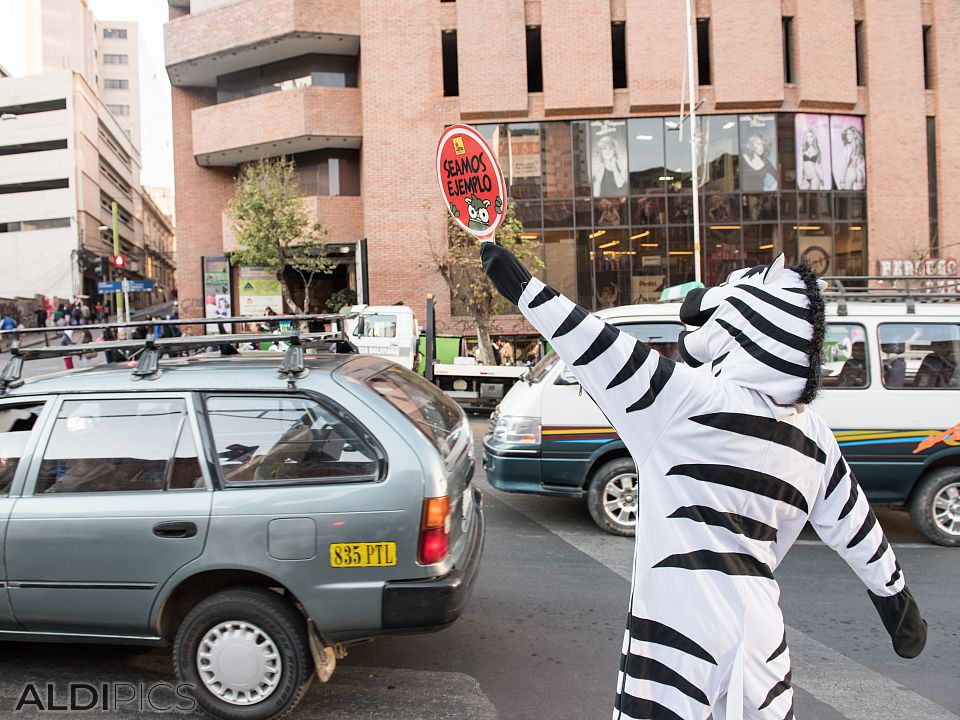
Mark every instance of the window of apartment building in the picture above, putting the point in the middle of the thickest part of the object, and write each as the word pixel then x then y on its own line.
pixel 24 148
pixel 114 59
pixel 116 84
pixel 119 109
pixel 932 187
pixel 28 225
pixel 703 51
pixel 788 50
pixel 448 47
pixel 534 60
pixel 928 57
pixel 55 184
pixel 37 107
pixel 328 172
pixel 858 41
pixel 115 33
pixel 618 36
pixel 290 74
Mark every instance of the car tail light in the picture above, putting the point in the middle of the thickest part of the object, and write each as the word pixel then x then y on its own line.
pixel 434 530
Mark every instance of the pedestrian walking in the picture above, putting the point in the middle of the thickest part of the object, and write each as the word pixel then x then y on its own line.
pixel 40 315
pixel 85 312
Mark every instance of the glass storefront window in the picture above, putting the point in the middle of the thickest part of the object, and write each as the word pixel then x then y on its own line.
pixel 761 243
pixel 759 155
pixel 814 206
pixel 648 264
pixel 759 207
pixel 679 209
pixel 521 170
pixel 850 249
pixel 558 213
pixel 610 211
pixel 724 253
pixel 788 206
pixel 815 246
pixel 719 166
pixel 611 260
pixel 581 160
pixel 850 206
pixel 529 212
pixel 649 210
pixel 645 144
pixel 560 261
pixel 328 172
pixel 677 148
pixel 583 210
pixel 721 210
pixel 557 178
pixel 680 255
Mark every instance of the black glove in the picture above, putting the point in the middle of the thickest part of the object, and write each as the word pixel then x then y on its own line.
pixel 507 273
pixel 901 617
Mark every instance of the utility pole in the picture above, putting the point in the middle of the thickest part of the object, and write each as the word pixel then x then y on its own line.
pixel 117 296
pixel 695 138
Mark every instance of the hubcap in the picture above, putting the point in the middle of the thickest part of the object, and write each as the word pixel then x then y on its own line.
pixel 620 499
pixel 946 509
pixel 239 663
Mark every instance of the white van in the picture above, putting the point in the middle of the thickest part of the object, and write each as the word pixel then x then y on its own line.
pixel 891 393
pixel 388 331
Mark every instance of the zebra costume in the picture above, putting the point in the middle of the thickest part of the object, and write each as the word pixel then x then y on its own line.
pixel 731 465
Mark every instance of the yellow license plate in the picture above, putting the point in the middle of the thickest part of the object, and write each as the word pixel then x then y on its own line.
pixel 363 554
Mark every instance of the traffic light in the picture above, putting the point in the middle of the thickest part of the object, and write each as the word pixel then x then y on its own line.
pixel 119 261
pixel 102 266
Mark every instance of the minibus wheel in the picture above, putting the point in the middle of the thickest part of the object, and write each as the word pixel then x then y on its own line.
pixel 935 507
pixel 612 497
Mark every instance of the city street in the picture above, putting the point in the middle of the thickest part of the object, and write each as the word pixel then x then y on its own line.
pixel 542 633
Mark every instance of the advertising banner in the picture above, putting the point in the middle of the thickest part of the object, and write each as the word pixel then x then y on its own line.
pixel 813 152
pixel 216 286
pixel 608 158
pixel 848 151
pixel 259 290
pixel 470 181
pixel 758 153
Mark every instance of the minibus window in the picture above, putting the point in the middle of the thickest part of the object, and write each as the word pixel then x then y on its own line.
pixel 844 363
pixel 920 355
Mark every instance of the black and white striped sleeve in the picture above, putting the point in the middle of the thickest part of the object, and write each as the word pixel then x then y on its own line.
pixel 844 520
pixel 636 388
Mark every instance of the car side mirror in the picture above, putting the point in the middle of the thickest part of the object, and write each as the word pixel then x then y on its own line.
pixel 566 377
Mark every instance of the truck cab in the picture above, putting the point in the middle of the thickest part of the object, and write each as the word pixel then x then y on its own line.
pixel 388 331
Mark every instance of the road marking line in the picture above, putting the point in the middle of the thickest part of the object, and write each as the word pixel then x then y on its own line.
pixel 834 679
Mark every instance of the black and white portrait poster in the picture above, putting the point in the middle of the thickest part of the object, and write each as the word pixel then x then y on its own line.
pixel 758 153
pixel 608 158
pixel 849 158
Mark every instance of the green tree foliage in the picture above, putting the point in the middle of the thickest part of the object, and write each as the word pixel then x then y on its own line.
pixel 459 265
pixel 272 227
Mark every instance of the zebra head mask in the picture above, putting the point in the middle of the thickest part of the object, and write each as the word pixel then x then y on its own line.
pixel 762 328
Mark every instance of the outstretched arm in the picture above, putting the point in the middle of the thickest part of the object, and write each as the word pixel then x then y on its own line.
pixel 844 520
pixel 636 388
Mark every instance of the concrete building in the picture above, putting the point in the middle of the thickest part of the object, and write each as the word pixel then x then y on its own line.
pixel 65 161
pixel 65 35
pixel 158 248
pixel 819 130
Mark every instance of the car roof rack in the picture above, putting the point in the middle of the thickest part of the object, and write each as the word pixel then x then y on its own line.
pixel 150 348
pixel 908 289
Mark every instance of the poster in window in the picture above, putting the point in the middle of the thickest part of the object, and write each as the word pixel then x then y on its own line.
pixel 524 155
pixel 848 151
pixel 259 291
pixel 608 158
pixel 813 151
pixel 216 287
pixel 758 153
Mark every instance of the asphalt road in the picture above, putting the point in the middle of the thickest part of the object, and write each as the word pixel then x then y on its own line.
pixel 541 636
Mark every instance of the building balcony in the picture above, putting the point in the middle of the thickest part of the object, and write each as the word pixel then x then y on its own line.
pixel 278 123
pixel 248 33
pixel 340 215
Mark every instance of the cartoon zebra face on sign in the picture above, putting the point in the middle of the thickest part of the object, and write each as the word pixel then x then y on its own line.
pixel 762 328
pixel 479 214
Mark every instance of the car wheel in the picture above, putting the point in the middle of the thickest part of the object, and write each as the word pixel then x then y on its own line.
pixel 245 653
pixel 936 506
pixel 612 497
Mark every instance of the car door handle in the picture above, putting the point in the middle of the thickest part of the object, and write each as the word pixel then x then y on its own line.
pixel 175 529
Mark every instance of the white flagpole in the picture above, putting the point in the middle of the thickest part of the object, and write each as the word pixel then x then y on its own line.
pixel 695 175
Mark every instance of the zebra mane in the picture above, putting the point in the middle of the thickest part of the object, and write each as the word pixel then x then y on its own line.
pixel 815 349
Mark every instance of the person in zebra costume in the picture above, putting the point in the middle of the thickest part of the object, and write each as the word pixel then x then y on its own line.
pixel 731 464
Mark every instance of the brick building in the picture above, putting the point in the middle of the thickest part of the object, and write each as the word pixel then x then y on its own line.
pixel 817 133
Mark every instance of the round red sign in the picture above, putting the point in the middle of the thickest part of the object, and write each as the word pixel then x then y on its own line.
pixel 470 181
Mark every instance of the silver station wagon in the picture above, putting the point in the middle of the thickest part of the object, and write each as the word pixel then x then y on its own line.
pixel 258 521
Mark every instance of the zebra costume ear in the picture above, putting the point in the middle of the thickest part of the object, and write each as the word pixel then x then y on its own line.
pixel 774 269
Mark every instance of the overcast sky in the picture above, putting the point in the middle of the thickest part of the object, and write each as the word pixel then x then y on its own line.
pixel 156 128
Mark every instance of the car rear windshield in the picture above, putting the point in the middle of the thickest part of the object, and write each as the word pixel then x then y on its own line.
pixel 434 414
